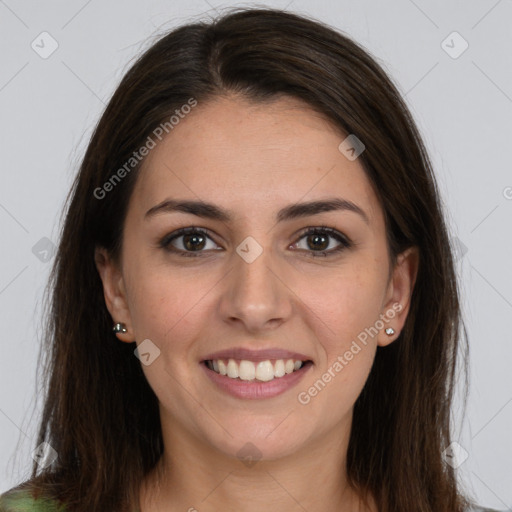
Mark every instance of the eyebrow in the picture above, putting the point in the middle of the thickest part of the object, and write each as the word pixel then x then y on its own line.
pixel 293 211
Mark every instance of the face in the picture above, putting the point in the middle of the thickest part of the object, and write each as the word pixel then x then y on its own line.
pixel 258 278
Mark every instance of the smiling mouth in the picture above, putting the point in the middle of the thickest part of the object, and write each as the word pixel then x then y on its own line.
pixel 249 371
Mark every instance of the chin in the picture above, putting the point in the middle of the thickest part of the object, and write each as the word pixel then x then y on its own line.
pixel 262 442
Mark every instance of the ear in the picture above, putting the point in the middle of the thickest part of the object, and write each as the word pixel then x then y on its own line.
pixel 398 296
pixel 114 292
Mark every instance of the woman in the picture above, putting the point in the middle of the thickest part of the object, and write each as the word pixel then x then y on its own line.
pixel 256 214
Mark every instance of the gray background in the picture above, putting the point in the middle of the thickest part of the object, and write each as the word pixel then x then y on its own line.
pixel 463 107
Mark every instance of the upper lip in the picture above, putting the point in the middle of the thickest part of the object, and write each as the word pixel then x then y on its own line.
pixel 255 355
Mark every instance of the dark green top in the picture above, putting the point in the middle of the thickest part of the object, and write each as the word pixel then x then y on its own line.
pixel 19 500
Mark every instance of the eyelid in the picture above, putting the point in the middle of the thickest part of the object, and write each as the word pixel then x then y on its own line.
pixel 344 241
pixel 165 242
pixel 324 229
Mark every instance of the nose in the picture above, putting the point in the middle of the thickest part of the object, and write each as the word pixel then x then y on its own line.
pixel 256 294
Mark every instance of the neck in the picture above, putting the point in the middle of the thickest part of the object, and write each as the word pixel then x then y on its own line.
pixel 192 476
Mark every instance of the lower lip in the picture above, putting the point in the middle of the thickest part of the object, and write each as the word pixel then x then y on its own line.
pixel 256 389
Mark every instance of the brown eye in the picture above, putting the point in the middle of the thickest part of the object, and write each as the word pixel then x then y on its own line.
pixel 188 241
pixel 193 242
pixel 318 241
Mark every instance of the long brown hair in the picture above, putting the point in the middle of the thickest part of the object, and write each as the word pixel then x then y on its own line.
pixel 100 414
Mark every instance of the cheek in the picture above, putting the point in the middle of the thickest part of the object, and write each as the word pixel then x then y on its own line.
pixel 347 355
pixel 345 305
pixel 343 313
pixel 169 309
pixel 165 306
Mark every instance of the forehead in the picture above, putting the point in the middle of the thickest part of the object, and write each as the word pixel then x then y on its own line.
pixel 253 157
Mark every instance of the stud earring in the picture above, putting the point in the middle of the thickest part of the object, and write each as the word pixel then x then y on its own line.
pixel 119 328
pixel 390 331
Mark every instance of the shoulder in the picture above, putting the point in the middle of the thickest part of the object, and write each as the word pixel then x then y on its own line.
pixel 20 499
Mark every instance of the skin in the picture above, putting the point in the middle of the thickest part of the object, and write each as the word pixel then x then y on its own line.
pixel 254 159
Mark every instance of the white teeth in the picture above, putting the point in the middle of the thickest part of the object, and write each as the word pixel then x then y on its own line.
pixel 279 368
pixel 232 369
pixel 289 366
pixel 247 370
pixel 264 371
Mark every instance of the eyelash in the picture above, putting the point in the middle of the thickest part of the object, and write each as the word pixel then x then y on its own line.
pixel 345 243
